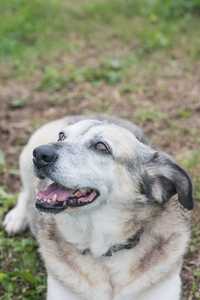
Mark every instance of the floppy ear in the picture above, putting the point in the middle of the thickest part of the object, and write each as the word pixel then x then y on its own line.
pixel 163 178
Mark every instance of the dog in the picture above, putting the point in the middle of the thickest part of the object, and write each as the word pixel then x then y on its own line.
pixel 110 212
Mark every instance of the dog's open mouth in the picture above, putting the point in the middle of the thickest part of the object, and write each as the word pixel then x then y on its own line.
pixel 55 198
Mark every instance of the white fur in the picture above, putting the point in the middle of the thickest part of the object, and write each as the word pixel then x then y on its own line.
pixel 56 291
pixel 169 289
pixel 165 290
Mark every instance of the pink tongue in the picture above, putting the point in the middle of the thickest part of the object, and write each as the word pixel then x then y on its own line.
pixel 54 189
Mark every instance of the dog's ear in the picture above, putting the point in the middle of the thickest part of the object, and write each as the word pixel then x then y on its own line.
pixel 162 178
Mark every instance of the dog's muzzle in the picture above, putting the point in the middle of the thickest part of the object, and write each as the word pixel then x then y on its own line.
pixel 56 197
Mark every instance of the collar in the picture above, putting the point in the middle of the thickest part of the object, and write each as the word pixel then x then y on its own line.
pixel 130 243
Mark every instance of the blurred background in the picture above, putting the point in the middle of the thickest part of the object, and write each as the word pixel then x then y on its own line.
pixel 138 59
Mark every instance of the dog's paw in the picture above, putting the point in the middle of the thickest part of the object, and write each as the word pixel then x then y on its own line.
pixel 15 221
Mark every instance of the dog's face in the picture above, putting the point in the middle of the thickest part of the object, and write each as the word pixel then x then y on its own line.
pixel 94 163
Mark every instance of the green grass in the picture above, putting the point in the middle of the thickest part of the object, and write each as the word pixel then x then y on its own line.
pixel 21 274
pixel 24 278
pixel 2 161
pixel 191 161
pixel 110 72
pixel 34 30
pixel 184 113
pixel 148 115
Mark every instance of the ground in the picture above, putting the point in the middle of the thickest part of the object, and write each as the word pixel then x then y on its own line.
pixel 133 59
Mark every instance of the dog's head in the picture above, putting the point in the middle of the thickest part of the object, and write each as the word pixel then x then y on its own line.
pixel 96 163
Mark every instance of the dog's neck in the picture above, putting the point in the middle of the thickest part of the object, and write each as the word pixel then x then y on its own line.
pixel 102 229
pixel 130 243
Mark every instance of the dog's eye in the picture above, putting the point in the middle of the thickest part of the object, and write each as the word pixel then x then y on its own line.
pixel 102 147
pixel 61 136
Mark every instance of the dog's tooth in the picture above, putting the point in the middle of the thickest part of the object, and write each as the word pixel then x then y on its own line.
pixel 54 198
pixel 78 193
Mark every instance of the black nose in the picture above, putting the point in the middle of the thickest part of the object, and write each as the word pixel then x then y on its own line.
pixel 44 155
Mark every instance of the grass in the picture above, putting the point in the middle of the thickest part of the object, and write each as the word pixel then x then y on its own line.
pixel 110 72
pixel 2 161
pixel 31 29
pixel 148 115
pixel 24 278
pixel 191 161
pixel 21 273
pixel 135 58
